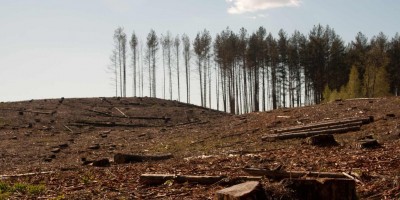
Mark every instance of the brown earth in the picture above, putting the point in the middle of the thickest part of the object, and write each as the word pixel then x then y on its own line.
pixel 54 135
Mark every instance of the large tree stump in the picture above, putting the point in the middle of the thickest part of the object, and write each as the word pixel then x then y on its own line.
pixel 251 190
pixel 322 140
pixel 327 189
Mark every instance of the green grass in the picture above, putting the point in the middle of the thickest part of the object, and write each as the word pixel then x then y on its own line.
pixel 7 189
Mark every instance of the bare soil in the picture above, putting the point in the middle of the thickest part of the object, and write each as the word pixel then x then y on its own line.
pixel 53 135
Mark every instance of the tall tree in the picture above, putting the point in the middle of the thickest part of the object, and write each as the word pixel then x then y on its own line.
pixel 186 57
pixel 283 65
pixel 120 45
pixel 134 48
pixel 394 64
pixel 202 46
pixel 152 48
pixel 376 58
pixel 177 44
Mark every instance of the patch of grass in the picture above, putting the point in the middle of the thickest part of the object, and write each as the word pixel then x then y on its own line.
pixel 87 178
pixel 36 189
pixel 4 196
pixel 6 189
pixel 59 197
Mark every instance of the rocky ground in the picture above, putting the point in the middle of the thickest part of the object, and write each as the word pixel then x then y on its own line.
pixel 51 138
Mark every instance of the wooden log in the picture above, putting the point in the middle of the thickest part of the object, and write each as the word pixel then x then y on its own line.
pixel 274 137
pixel 327 189
pixel 107 124
pixel 291 174
pixel 120 158
pixel 154 179
pixel 204 180
pixel 121 112
pixel 125 116
pixel 69 128
pixel 321 128
pixel 322 140
pixel 247 190
pixel 25 174
pixel 99 112
pixel 363 120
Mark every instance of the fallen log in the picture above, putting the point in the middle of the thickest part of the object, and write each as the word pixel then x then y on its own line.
pixel 363 120
pixel 247 190
pixel 30 111
pixel 127 117
pixel 121 112
pixel 107 124
pixel 204 180
pixel 321 128
pixel 305 134
pixel 69 128
pixel 120 158
pixel 274 174
pixel 99 112
pixel 25 174
pixel 156 179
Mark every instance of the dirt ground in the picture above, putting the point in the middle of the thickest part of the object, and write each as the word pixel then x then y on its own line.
pixel 53 136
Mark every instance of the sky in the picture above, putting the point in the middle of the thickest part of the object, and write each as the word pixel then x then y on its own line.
pixel 61 48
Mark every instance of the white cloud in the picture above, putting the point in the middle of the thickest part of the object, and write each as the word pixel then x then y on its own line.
pixel 243 6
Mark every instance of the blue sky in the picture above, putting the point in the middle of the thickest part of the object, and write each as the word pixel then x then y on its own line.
pixel 55 48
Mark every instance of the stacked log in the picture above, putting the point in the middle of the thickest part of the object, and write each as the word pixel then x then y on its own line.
pixel 325 127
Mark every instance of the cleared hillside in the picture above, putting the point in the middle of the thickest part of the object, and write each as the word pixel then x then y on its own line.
pixel 54 135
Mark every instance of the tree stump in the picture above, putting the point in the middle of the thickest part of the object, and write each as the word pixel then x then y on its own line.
pixel 327 189
pixel 251 190
pixel 368 144
pixel 322 140
pixel 101 163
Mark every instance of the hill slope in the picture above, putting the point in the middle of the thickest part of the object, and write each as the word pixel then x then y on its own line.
pixel 54 135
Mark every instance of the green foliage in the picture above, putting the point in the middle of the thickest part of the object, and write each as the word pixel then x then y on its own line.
pixel 36 189
pixel 354 84
pixel 326 94
pixel 4 187
pixel 59 197
pixel 7 189
pixel 382 86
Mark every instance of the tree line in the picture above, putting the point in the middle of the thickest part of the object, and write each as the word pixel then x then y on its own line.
pixel 248 72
